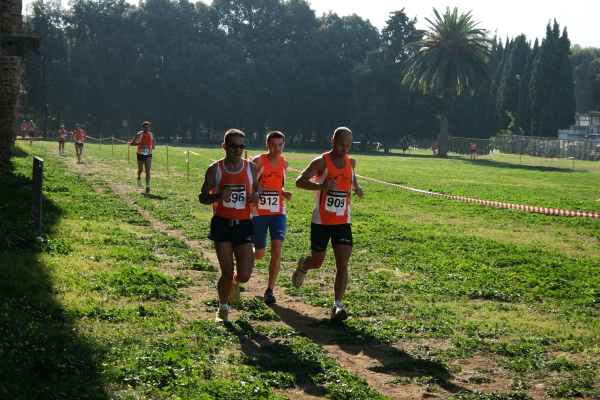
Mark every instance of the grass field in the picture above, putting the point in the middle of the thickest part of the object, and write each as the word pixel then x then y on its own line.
pixel 446 299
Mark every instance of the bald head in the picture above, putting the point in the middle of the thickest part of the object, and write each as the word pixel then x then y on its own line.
pixel 341 132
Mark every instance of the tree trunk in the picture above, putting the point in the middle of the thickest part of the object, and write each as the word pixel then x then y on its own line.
pixel 443 139
pixel 10 74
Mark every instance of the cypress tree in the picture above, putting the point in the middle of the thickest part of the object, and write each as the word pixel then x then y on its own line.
pixel 490 125
pixel 559 111
pixel 524 117
pixel 508 91
pixel 545 72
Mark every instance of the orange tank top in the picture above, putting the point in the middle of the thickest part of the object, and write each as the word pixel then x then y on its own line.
pixel 333 207
pixel 271 197
pixel 473 146
pixel 240 183
pixel 78 136
pixel 145 143
pixel 23 127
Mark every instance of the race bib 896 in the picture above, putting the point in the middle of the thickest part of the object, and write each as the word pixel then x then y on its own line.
pixel 237 199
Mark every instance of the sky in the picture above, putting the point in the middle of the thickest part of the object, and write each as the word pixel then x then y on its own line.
pixel 506 18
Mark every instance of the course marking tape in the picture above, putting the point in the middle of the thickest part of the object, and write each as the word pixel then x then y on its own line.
pixel 539 210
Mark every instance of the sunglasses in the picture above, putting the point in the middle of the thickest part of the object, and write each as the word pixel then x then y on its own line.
pixel 235 146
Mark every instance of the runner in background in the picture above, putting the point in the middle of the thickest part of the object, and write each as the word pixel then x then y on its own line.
pixel 32 128
pixel 231 187
pixel 78 137
pixel 23 129
pixel 434 147
pixel 269 213
pixel 473 150
pixel 404 146
pixel 144 140
pixel 331 178
pixel 62 136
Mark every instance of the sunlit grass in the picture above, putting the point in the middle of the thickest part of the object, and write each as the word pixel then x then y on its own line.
pixel 500 283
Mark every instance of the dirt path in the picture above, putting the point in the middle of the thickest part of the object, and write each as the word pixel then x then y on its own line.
pixel 358 359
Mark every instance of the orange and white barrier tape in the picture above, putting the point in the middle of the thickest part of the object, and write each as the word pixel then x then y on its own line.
pixel 540 210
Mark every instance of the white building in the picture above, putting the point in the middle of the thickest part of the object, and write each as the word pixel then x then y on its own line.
pixel 587 127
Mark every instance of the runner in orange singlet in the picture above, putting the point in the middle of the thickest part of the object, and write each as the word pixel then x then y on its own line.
pixel 78 137
pixel 331 178
pixel 270 211
pixel 230 185
pixel 62 136
pixel 23 129
pixel 144 140
pixel 473 150
pixel 32 128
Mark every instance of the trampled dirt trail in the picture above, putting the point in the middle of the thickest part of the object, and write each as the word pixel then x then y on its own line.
pixel 361 360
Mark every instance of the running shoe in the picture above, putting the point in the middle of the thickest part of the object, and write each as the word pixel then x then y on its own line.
pixel 338 313
pixel 298 275
pixel 140 182
pixel 147 189
pixel 222 316
pixel 234 293
pixel 269 298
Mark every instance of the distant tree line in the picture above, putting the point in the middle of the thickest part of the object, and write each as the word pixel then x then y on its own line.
pixel 195 70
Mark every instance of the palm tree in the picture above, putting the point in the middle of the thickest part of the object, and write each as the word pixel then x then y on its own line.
pixel 452 56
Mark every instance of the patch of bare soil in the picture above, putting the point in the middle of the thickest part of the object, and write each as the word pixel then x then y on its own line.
pixel 362 360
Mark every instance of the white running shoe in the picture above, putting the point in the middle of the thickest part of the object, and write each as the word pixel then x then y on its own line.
pixel 222 316
pixel 140 182
pixel 338 313
pixel 299 274
pixel 234 293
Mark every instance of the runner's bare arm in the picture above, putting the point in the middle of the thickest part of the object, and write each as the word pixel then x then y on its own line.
pixel 355 186
pixel 316 167
pixel 135 140
pixel 205 196
pixel 254 197
pixel 286 193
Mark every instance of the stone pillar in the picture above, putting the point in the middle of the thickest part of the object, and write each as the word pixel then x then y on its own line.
pixel 11 24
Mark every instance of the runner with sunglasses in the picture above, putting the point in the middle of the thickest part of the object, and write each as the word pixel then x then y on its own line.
pixel 230 185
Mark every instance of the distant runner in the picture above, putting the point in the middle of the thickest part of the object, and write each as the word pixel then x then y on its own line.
pixel 144 140
pixel 78 137
pixel 473 150
pixel 23 129
pixel 62 136
pixel 32 128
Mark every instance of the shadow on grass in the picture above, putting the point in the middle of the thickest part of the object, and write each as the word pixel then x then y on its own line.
pixel 502 164
pixel 394 362
pixel 41 357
